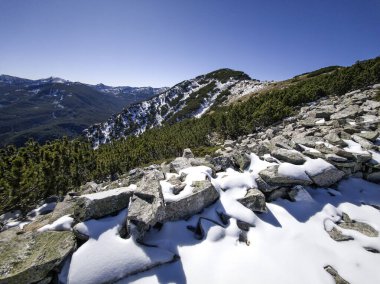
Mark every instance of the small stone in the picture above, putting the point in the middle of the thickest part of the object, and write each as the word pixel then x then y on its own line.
pixel 254 200
pixel 337 278
pixel 187 153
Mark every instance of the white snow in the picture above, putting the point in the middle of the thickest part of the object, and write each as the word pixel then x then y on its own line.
pixel 288 244
pixel 62 224
pixel 106 257
pixel 293 171
pixel 316 166
pixel 320 122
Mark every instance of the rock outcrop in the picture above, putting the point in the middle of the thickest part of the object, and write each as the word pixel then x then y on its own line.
pixel 203 195
pixel 30 257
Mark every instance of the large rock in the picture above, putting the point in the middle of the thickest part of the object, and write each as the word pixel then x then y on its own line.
pixel 242 160
pixel 271 176
pixel 254 200
pixel 204 194
pixel 327 176
pixel 263 186
pixel 369 135
pixel 290 156
pixel 222 163
pixel 147 205
pixel 100 204
pixel 348 112
pixel 30 257
pixel 179 164
pixel 363 142
pixel 334 139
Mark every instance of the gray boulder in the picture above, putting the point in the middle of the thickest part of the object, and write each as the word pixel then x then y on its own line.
pixel 363 142
pixel 290 156
pixel 100 204
pixel 327 177
pixel 147 205
pixel 308 141
pixel 222 163
pixel 179 164
pixel 204 194
pixel 369 135
pixel 254 200
pixel 187 153
pixel 263 186
pixel 348 112
pixel 30 257
pixel 272 177
pixel 334 139
pixel 241 159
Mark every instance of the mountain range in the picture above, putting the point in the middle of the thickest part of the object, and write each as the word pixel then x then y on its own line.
pixel 190 98
pixel 50 108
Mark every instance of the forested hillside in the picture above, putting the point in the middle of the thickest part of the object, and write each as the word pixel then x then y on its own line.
pixel 31 173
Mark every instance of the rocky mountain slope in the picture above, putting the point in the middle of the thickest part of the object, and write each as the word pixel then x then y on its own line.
pixel 50 108
pixel 309 183
pixel 190 98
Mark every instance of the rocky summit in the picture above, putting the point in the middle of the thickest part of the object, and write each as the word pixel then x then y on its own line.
pixel 307 187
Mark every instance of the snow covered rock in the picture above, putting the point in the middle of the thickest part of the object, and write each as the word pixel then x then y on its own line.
pixel 106 257
pixel 254 200
pixel 204 194
pixel 100 204
pixel 30 257
pixel 290 156
pixel 272 176
pixel 323 173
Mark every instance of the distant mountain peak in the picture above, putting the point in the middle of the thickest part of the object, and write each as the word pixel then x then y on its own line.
pixel 190 98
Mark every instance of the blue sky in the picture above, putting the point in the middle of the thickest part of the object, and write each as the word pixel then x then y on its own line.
pixel 162 42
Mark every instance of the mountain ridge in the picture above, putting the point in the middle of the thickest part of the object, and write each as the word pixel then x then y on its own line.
pixel 189 98
pixel 46 109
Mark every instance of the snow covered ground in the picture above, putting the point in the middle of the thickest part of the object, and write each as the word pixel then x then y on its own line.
pixel 288 244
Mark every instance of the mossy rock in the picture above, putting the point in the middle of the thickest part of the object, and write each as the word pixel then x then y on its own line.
pixel 29 257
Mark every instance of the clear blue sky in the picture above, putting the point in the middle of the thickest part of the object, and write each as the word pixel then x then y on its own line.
pixel 162 42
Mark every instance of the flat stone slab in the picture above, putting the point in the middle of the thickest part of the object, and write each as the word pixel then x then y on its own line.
pixel 100 204
pixel 204 194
